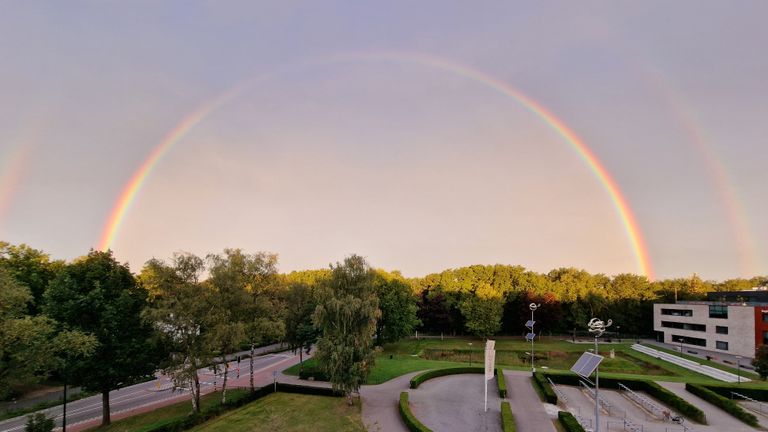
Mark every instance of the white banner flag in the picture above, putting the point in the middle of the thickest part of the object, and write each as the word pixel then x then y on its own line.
pixel 490 358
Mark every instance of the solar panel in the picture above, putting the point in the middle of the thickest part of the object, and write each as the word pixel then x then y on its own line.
pixel 586 364
pixel 530 324
pixel 530 336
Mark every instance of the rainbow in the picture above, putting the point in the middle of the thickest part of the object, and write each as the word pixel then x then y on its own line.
pixel 621 206
pixel 11 172
pixel 735 213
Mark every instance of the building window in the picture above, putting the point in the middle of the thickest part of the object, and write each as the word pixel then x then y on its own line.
pixel 689 340
pixel 765 338
pixel 684 326
pixel 721 330
pixel 765 316
pixel 721 345
pixel 718 311
pixel 677 312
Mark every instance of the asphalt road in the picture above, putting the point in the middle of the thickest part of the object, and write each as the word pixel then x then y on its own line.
pixel 148 393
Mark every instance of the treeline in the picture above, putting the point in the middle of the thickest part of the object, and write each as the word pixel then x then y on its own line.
pixel 93 322
pixel 488 300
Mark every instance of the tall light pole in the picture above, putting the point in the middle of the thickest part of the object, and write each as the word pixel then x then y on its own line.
pixel 597 328
pixel 532 335
pixel 470 353
pixel 738 368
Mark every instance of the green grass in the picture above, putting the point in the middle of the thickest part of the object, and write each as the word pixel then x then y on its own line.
pixel 289 412
pixel 148 420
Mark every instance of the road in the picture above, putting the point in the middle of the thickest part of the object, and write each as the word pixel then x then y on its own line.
pixel 156 392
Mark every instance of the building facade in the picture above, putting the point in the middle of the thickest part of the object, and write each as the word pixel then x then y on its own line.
pixel 720 324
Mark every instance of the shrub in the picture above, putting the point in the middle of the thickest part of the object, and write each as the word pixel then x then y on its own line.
pixel 569 422
pixel 420 378
pixel 726 405
pixel 314 372
pixel 502 383
pixel 760 394
pixel 39 423
pixel 507 419
pixel 549 393
pixel 413 424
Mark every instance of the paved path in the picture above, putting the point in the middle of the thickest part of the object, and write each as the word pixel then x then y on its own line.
pixel 380 404
pixel 718 419
pixel 455 403
pixel 529 412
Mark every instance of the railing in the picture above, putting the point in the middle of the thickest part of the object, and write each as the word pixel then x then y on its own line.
pixel 604 404
pixel 560 395
pixel 690 364
pixel 762 406
pixel 644 402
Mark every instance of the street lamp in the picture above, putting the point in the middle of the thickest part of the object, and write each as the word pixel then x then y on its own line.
pixel 532 335
pixel 738 368
pixel 597 328
pixel 470 353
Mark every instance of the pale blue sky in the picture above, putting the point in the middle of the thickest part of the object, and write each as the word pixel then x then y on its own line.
pixel 418 169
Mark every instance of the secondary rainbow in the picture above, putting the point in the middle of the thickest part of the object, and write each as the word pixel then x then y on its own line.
pixel 621 206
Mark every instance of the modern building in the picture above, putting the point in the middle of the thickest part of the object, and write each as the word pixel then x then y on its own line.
pixel 733 322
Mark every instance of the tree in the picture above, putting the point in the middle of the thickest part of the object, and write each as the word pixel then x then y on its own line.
pixel 98 295
pixel 398 307
pixel 760 361
pixel 31 347
pixel 347 314
pixel 39 423
pixel 434 312
pixel 244 307
pixel 30 267
pixel 180 310
pixel 482 311
pixel 300 331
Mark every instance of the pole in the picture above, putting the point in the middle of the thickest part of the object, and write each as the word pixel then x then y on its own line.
pixel 533 354
pixel 738 368
pixel 486 392
pixel 64 416
pixel 597 397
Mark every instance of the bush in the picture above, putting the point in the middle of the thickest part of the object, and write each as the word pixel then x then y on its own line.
pixel 546 389
pixel 726 405
pixel 413 424
pixel 760 394
pixel 420 378
pixel 308 390
pixel 502 383
pixel 313 372
pixel 569 422
pixel 507 419
pixel 656 391
pixel 39 423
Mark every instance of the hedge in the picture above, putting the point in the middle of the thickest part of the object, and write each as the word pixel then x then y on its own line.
pixel 549 393
pixel 313 372
pixel 507 419
pixel 760 394
pixel 569 422
pixel 725 404
pixel 420 378
pixel 658 392
pixel 502 383
pixel 413 424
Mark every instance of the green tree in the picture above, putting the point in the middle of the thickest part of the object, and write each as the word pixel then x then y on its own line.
pixel 483 311
pixel 760 361
pixel 31 267
pixel 98 295
pixel 39 423
pixel 398 307
pixel 300 331
pixel 347 314
pixel 31 347
pixel 181 311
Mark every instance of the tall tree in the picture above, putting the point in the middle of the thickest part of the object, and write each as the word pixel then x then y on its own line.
pixel 181 308
pixel 31 267
pixel 398 307
pixel 300 331
pixel 98 295
pixel 482 311
pixel 347 314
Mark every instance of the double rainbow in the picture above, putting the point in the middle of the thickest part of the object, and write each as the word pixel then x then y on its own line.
pixel 631 227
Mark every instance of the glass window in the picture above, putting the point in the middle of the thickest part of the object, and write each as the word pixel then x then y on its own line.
pixel 689 340
pixel 684 326
pixel 718 311
pixel 765 337
pixel 677 312
pixel 721 329
pixel 765 317
pixel 721 345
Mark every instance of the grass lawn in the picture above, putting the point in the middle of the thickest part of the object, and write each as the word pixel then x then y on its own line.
pixel 289 412
pixel 148 420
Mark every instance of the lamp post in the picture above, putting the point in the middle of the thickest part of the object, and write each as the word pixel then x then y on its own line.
pixel 597 328
pixel 738 368
pixel 533 307
pixel 470 353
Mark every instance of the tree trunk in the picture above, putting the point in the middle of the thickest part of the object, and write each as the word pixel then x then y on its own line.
pixel 195 394
pixel 224 382
pixel 253 351
pixel 301 360
pixel 105 418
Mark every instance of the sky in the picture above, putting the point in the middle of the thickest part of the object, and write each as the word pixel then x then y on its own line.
pixel 613 136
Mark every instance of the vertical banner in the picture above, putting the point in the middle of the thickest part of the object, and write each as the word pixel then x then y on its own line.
pixel 490 358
